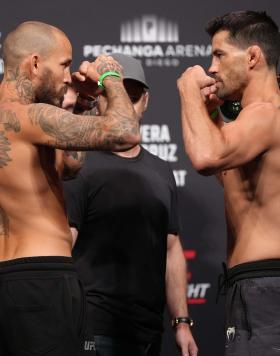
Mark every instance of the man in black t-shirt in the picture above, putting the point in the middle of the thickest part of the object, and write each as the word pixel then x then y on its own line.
pixel 123 208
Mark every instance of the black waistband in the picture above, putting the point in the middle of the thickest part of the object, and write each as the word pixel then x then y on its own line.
pixel 40 263
pixel 256 269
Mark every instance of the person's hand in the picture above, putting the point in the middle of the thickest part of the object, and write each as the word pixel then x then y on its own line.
pixel 207 85
pixel 211 100
pixel 196 76
pixel 86 78
pixel 185 340
pixel 107 64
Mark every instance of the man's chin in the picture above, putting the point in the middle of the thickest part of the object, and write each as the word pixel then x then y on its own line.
pixel 222 95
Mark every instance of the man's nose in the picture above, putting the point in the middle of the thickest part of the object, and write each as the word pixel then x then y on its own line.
pixel 213 69
pixel 67 77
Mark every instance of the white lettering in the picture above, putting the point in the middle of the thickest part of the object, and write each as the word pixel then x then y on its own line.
pixel 155 133
pixel 198 290
pixel 89 345
pixel 164 151
pixel 170 51
pixel 157 52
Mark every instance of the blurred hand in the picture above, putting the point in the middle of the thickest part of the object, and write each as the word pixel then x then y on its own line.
pixel 86 78
pixel 185 340
pixel 196 76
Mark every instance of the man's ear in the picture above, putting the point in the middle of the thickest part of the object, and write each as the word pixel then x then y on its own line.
pixel 35 64
pixel 146 98
pixel 255 55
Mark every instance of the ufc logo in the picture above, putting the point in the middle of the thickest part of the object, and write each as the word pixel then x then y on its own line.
pixel 89 345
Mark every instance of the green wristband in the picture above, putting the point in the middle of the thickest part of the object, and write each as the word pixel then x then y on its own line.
pixel 105 75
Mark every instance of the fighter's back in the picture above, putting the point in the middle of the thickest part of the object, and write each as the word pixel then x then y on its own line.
pixel 32 215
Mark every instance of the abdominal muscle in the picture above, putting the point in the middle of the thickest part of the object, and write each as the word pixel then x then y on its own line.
pixel 255 237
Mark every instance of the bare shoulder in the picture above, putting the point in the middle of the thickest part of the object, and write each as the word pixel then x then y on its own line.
pixel 259 111
pixel 259 117
pixel 262 120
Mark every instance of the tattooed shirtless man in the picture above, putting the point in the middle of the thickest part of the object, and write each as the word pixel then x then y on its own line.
pixel 42 303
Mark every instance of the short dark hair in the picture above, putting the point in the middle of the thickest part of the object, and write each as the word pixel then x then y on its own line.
pixel 247 28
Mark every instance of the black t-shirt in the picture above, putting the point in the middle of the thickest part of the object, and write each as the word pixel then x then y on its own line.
pixel 123 208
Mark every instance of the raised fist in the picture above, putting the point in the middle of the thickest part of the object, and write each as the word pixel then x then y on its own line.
pixel 107 64
pixel 196 75
pixel 86 78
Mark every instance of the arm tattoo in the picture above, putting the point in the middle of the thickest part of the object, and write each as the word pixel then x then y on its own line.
pixel 4 223
pixel 72 132
pixel 9 122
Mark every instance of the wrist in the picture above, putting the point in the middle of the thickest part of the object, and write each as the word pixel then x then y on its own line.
pixel 182 320
pixel 181 326
pixel 106 76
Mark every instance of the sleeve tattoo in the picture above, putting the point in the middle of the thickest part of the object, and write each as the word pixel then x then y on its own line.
pixel 72 132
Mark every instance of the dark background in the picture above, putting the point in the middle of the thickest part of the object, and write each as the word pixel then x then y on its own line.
pixel 89 22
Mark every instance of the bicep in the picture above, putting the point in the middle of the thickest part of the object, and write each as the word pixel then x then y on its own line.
pixel 55 127
pixel 246 138
pixel 58 128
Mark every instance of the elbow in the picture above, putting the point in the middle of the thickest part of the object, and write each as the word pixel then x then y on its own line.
pixel 130 138
pixel 132 135
pixel 128 141
pixel 205 164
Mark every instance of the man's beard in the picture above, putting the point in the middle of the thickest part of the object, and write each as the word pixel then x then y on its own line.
pixel 226 94
pixel 232 86
pixel 46 92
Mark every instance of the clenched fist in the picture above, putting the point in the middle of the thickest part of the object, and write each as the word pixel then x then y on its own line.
pixel 86 78
pixel 196 76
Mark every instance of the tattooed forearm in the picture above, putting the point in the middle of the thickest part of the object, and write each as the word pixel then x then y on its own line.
pixel 73 132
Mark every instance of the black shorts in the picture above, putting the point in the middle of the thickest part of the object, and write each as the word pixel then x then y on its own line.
pixel 253 309
pixel 42 308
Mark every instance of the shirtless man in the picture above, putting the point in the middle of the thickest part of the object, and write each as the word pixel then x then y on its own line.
pixel 42 304
pixel 246 154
